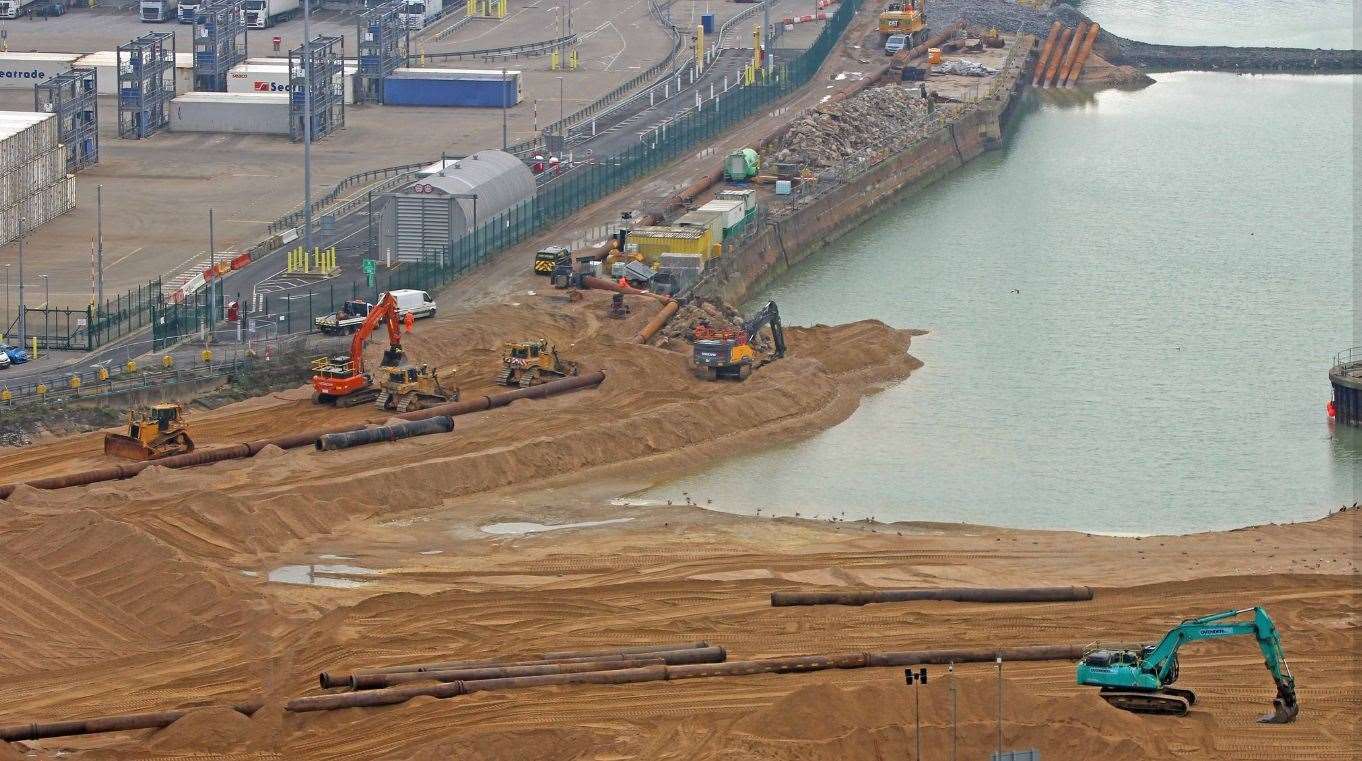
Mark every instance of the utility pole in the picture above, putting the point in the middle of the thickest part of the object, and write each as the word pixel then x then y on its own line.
pixel 7 301
pixel 23 316
pixel 99 247
pixel 950 669
pixel 1000 707
pixel 915 678
pixel 212 290
pixel 504 142
pixel 562 128
pixel 307 126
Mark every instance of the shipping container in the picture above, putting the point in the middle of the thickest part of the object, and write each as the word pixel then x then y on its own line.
pixel 24 136
pixel 734 212
pixel 253 113
pixel 452 87
pixel 713 221
pixel 20 182
pixel 654 241
pixel 39 208
pixel 748 197
pixel 105 64
pixel 21 71
pixel 254 77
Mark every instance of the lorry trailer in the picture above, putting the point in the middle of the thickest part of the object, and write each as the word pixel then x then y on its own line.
pixel 274 77
pixel 157 11
pixel 263 14
pixel 417 13
pixel 487 88
pixel 14 8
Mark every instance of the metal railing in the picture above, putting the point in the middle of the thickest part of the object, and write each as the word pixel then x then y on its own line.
pixel 508 51
pixel 295 218
pixel 1348 358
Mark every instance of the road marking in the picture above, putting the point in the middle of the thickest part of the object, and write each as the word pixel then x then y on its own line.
pixel 121 258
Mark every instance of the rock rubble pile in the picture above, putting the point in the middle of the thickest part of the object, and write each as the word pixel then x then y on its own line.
pixel 835 134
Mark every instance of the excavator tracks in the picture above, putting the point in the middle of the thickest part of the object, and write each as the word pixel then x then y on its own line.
pixel 1168 702
pixel 382 401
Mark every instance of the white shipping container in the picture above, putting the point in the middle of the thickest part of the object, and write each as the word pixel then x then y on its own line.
pixel 105 63
pixel 748 197
pixel 20 71
pixel 705 220
pixel 27 179
pixel 251 113
pixel 733 211
pixel 253 77
pixel 25 135
pixel 38 209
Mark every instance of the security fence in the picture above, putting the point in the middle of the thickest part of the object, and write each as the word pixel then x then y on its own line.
pixel 87 328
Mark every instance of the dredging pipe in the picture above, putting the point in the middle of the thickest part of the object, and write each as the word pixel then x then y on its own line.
pixel 669 306
pixel 961 594
pixel 379 680
pixel 121 723
pixel 1043 61
pixel 328 679
pixel 302 439
pixel 332 441
pixel 1086 50
pixel 786 665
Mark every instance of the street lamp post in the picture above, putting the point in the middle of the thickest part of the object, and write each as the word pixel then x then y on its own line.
pixel 307 127
pixel 504 143
pixel 47 306
pixel 23 316
pixel 212 291
pixel 1000 706
pixel 6 297
pixel 99 248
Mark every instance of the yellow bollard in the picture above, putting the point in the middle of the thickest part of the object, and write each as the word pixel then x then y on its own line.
pixel 206 355
pixel 572 59
pixel 5 395
pixel 41 389
pixel 553 61
pixel 74 382
pixel 103 374
pixel 35 348
pixel 167 361
pixel 130 367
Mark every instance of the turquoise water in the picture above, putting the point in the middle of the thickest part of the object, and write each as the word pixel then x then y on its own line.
pixel 1183 258
pixel 1296 24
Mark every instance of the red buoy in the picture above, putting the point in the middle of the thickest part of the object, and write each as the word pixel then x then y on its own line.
pixel 1330 409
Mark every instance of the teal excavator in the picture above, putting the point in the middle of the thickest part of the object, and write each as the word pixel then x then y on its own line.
pixel 1139 681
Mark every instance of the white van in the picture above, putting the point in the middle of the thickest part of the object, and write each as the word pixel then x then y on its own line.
pixel 895 43
pixel 418 303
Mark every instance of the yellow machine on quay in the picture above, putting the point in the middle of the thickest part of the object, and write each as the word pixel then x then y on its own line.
pixel 908 18
pixel 155 432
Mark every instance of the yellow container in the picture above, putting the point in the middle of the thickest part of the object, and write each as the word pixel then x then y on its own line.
pixel 655 241
pixel 933 55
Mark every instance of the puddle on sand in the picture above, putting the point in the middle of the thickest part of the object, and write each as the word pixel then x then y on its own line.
pixel 430 552
pixel 335 557
pixel 320 575
pixel 509 529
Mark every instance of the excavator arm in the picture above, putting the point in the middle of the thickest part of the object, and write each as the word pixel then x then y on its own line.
pixel 384 311
pixel 768 315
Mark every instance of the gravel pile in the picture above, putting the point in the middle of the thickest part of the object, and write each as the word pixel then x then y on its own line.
pixel 835 133
pixel 697 311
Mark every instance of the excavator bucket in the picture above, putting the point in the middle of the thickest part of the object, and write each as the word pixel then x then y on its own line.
pixel 1284 706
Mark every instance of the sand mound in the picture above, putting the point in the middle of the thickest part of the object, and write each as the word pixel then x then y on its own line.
pixel 205 730
pixel 11 753
pixel 269 452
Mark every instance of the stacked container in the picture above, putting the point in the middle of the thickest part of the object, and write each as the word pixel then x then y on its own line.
pixel 34 186
pixel 105 64
pixel 734 215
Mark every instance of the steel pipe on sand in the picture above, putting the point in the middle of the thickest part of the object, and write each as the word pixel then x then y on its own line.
pixel 961 594
pixel 121 723
pixel 382 681
pixel 1044 60
pixel 335 441
pixel 1064 36
pixel 666 654
pixel 1067 62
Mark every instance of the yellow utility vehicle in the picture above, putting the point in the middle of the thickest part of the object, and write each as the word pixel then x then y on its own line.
pixel 155 432
pixel 529 363
pixel 411 387
pixel 908 18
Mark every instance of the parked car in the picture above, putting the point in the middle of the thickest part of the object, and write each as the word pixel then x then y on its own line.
pixel 895 43
pixel 48 10
pixel 4 360
pixel 15 354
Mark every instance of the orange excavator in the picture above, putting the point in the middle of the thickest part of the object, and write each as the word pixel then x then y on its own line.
pixel 341 380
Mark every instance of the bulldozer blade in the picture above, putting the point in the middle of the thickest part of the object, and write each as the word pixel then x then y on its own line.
pixel 1281 713
pixel 118 445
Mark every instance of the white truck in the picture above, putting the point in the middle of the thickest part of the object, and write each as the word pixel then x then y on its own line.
pixel 262 14
pixel 352 313
pixel 14 8
pixel 189 9
pixel 417 13
pixel 156 11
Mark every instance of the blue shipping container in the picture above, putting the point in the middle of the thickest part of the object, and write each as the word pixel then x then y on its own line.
pixel 409 91
pixel 707 22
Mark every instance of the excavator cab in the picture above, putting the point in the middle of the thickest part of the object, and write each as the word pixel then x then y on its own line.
pixel 153 433
pixel 729 353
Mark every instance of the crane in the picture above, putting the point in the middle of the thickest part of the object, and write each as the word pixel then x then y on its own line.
pixel 341 380
pixel 728 352
pixel 1139 681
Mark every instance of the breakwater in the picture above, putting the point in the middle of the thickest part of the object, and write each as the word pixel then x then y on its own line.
pixel 789 234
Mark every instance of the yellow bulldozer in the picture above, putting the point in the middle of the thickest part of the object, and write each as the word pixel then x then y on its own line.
pixel 155 432
pixel 411 387
pixel 529 363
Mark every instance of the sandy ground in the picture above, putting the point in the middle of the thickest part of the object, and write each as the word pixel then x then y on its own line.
pixel 155 592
